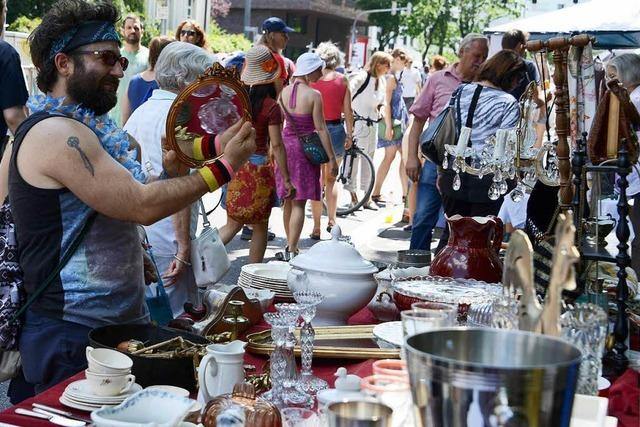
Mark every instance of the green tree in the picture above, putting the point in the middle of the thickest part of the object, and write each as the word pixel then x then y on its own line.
pixel 389 24
pixel 24 25
pixel 441 23
pixel 221 41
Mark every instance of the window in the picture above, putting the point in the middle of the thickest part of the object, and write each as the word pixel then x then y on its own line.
pixel 297 22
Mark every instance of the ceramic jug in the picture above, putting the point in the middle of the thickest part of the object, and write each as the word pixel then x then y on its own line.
pixel 221 369
pixel 472 249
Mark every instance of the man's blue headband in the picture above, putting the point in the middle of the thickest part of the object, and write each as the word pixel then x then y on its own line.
pixel 86 33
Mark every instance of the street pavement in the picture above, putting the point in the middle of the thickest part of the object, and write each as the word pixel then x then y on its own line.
pixel 377 235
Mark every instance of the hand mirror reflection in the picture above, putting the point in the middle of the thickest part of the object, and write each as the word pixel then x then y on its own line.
pixel 203 110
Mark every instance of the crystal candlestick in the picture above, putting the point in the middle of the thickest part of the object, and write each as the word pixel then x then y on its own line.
pixel 309 300
pixel 293 395
pixel 278 362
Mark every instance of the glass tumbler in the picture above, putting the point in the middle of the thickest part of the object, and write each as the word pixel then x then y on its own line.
pixel 451 310
pixel 415 322
pixel 585 326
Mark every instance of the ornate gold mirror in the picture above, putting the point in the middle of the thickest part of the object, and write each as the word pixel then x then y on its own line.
pixel 204 109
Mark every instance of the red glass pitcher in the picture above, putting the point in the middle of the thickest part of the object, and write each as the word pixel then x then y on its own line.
pixel 472 249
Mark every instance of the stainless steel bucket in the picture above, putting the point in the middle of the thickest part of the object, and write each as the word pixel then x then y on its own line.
pixel 468 377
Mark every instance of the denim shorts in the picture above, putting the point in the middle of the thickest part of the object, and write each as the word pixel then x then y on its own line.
pixel 338 136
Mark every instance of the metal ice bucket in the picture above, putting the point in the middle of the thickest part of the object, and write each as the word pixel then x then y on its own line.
pixel 472 377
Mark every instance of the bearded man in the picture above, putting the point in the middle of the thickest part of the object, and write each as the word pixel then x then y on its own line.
pixel 71 179
pixel 137 55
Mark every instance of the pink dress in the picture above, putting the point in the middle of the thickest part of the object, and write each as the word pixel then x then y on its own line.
pixel 304 175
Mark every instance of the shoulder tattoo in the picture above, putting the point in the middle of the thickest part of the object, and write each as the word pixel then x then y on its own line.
pixel 74 142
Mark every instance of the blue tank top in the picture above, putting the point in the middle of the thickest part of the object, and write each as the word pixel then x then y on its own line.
pixel 140 90
pixel 103 282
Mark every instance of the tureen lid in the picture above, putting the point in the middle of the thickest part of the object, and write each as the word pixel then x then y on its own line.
pixel 334 256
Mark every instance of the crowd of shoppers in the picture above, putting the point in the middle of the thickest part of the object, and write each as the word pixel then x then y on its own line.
pixel 88 174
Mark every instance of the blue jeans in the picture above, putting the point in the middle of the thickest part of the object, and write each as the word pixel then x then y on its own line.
pixel 338 135
pixel 51 350
pixel 428 208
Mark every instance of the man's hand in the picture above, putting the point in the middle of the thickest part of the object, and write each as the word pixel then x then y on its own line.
pixel 170 162
pixel 413 167
pixel 150 274
pixel 241 146
pixel 228 134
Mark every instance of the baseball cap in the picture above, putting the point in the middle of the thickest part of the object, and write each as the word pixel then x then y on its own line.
pixel 275 24
pixel 307 63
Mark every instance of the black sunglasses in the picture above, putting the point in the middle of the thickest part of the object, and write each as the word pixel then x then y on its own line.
pixel 108 57
pixel 188 33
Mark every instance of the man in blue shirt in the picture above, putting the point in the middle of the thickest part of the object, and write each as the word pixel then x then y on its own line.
pixel 13 92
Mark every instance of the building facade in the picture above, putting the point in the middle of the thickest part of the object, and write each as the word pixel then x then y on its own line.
pixel 314 20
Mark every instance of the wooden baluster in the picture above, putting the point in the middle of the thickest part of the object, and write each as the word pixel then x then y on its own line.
pixel 562 126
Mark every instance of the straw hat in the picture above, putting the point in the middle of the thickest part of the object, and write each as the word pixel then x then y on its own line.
pixel 260 66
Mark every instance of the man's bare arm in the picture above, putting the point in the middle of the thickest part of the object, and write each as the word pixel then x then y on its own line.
pixel 88 171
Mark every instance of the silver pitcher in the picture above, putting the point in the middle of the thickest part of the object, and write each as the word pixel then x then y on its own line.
pixel 471 377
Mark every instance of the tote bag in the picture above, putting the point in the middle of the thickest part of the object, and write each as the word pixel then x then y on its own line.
pixel 209 258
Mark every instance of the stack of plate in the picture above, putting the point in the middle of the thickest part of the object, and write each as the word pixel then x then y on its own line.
pixel 271 276
pixel 78 395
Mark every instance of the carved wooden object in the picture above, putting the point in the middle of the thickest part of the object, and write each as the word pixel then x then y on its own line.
pixel 560 48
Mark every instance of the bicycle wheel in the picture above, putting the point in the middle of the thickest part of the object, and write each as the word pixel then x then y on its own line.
pixel 355 181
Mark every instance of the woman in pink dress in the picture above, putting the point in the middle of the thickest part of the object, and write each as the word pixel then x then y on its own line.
pixel 303 106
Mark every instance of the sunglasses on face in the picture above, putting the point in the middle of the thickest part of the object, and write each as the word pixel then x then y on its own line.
pixel 108 57
pixel 187 33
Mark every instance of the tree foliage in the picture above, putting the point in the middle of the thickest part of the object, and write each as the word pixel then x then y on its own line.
pixel 389 24
pixel 441 23
pixel 221 41
pixel 24 25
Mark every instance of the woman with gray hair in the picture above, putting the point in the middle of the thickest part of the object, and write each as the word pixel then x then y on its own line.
pixel 626 68
pixel 178 65
pixel 336 101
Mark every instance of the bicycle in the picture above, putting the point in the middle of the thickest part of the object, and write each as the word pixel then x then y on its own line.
pixel 351 197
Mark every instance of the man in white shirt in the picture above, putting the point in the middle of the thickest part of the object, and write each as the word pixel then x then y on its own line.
pixel 411 83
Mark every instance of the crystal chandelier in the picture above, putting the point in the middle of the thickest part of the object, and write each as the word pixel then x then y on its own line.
pixel 509 154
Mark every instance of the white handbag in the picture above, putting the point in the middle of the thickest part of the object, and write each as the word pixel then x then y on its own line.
pixel 209 258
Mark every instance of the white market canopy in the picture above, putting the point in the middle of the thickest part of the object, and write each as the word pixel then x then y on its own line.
pixel 614 23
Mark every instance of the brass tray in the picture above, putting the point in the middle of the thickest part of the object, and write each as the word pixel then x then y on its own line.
pixel 332 342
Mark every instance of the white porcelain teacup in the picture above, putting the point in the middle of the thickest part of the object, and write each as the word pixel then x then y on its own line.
pixel 109 384
pixel 108 361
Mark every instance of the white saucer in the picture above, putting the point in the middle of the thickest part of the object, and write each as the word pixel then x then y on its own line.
pixel 390 332
pixel 80 391
pixel 81 406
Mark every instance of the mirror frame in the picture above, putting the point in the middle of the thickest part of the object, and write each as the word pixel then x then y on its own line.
pixel 216 74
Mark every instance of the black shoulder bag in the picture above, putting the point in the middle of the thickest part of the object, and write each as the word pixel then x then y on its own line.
pixel 440 132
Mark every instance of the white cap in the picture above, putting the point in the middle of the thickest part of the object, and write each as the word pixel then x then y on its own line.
pixel 307 63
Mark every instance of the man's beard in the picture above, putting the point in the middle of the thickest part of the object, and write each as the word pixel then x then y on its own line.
pixel 87 89
pixel 133 38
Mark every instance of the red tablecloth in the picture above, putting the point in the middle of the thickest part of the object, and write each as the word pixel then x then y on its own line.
pixel 624 394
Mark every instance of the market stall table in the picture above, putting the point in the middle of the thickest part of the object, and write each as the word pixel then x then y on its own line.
pixel 624 394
